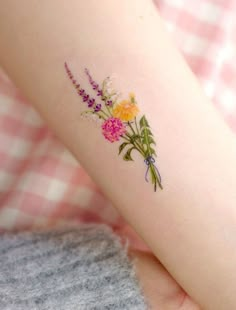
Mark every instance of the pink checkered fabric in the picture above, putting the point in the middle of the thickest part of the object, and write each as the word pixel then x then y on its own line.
pixel 42 184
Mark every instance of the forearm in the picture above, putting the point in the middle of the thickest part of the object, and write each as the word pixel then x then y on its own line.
pixel 190 223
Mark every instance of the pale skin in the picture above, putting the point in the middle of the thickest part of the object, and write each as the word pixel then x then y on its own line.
pixel 160 289
pixel 190 225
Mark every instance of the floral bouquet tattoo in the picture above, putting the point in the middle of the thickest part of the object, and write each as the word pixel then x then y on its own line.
pixel 120 123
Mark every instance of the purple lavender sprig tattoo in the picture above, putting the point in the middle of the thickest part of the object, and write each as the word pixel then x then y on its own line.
pixel 120 123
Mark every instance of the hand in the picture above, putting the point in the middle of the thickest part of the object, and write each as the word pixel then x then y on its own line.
pixel 160 289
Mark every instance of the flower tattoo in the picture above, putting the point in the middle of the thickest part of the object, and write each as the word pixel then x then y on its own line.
pixel 120 123
pixel 113 128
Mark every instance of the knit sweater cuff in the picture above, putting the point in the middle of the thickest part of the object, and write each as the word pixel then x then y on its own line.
pixel 68 268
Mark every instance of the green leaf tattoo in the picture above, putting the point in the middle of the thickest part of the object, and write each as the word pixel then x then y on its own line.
pixel 127 155
pixel 120 123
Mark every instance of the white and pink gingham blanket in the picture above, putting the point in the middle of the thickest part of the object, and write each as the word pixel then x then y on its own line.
pixel 42 184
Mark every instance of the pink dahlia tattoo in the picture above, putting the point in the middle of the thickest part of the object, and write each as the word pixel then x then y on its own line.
pixel 113 129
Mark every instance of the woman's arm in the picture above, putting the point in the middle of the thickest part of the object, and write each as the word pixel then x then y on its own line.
pixel 190 224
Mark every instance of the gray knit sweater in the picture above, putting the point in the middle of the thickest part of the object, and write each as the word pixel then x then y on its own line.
pixel 70 268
